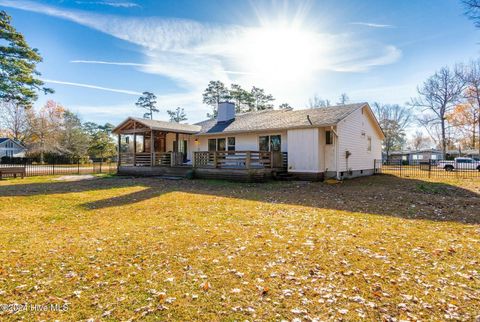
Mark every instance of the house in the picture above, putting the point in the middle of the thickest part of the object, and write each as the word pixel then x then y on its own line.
pixel 412 157
pixel 452 154
pixel 11 148
pixel 339 141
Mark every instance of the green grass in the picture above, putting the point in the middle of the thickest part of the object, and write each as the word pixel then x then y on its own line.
pixel 146 249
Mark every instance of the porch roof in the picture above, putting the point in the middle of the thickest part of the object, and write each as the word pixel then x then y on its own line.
pixel 126 126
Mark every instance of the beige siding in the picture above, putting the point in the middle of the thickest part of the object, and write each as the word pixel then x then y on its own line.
pixel 353 133
pixel 303 151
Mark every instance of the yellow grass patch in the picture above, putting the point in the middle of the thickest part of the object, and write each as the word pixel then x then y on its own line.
pixel 121 248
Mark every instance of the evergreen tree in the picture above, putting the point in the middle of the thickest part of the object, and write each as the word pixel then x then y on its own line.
pixel 19 80
pixel 242 98
pixel 177 115
pixel 261 101
pixel 148 102
pixel 215 93
pixel 285 106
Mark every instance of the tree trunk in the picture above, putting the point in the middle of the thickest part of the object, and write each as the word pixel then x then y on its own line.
pixel 444 141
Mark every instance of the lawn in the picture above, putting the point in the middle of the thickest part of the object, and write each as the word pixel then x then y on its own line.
pixel 145 249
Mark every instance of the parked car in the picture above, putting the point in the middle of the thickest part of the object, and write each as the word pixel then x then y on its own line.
pixel 459 164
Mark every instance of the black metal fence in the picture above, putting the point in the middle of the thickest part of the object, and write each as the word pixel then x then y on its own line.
pixel 429 168
pixel 54 168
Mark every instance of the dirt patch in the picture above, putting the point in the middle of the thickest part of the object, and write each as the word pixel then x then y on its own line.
pixel 75 177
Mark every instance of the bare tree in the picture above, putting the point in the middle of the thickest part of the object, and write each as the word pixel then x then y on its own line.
pixel 472 10
pixel 45 127
pixel 437 96
pixel 393 119
pixel 13 118
pixel 317 102
pixel 472 92
pixel 420 141
pixel 343 99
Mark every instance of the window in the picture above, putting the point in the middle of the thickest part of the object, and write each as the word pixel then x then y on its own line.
pixel 212 145
pixel 270 143
pixel 404 158
pixel 263 143
pixel 369 143
pixel 328 137
pixel 420 157
pixel 231 144
pixel 433 157
pixel 275 143
pixel 221 145
pixel 414 157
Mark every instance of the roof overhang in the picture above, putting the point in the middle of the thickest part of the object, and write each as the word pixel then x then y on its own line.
pixel 140 126
pixel 281 129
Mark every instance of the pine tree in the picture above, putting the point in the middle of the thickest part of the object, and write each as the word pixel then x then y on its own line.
pixel 177 115
pixel 215 93
pixel 19 80
pixel 148 102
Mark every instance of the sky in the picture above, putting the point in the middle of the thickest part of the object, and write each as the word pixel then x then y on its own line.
pixel 100 55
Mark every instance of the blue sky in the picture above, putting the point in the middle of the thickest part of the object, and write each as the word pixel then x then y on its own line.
pixel 100 54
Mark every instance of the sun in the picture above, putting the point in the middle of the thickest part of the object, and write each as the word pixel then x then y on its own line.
pixel 279 52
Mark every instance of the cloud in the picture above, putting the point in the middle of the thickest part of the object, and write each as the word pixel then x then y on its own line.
pixel 191 53
pixel 372 25
pixel 108 89
pixel 110 3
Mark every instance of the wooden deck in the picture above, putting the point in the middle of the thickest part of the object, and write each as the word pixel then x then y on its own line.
pixel 250 166
pixel 244 175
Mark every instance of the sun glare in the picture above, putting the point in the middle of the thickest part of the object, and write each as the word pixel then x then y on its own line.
pixel 279 52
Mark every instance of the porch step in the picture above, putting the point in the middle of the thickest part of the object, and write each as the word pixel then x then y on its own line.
pixel 285 176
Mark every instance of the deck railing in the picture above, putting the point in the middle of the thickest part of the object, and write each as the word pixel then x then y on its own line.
pixel 144 159
pixel 239 159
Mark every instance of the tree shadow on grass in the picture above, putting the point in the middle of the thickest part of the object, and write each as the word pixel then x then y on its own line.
pixel 382 195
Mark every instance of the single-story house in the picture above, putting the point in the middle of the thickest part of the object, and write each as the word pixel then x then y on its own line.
pixel 11 148
pixel 411 157
pixel 470 153
pixel 338 141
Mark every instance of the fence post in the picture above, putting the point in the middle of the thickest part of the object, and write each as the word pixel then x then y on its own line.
pixel 78 166
pixel 429 168
pixel 53 165
pixel 248 159
pixel 101 162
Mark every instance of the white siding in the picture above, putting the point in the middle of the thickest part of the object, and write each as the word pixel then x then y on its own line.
pixel 353 134
pixel 12 149
pixel 243 141
pixel 170 138
pixel 303 150
pixel 327 152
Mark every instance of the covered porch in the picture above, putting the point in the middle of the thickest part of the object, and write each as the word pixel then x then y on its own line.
pixel 149 143
pixel 156 148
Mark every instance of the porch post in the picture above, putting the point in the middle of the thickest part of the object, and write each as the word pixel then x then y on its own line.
pixel 248 159
pixel 134 144
pixel 152 148
pixel 119 162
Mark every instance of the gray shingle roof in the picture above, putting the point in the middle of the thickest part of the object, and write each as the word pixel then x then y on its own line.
pixel 163 126
pixel 280 119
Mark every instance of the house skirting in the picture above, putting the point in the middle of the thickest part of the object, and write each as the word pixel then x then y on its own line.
pixel 242 175
pixel 308 176
pixel 153 171
pixel 350 174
